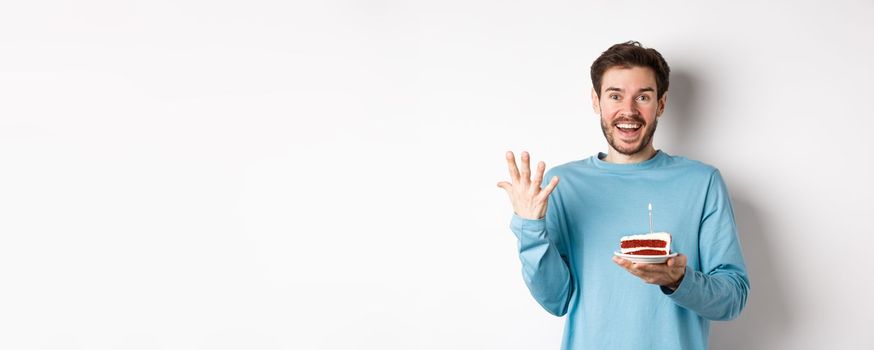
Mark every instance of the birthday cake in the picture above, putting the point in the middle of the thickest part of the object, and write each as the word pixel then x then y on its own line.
pixel 658 243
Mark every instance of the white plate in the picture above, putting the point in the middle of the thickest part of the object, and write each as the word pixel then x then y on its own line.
pixel 645 259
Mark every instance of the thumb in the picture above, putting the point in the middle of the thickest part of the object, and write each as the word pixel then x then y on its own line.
pixel 505 185
pixel 679 260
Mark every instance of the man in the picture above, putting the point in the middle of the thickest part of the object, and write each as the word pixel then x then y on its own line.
pixel 567 233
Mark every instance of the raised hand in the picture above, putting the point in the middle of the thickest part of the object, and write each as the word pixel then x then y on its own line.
pixel 529 200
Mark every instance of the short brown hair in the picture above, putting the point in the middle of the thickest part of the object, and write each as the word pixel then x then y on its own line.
pixel 631 54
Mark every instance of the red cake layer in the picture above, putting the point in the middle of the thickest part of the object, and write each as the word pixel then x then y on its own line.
pixel 647 252
pixel 637 243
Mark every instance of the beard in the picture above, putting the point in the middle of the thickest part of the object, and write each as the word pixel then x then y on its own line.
pixel 644 141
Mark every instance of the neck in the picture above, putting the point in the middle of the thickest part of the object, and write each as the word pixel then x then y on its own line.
pixel 613 156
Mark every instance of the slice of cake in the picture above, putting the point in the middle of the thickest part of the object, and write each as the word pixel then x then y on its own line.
pixel 658 243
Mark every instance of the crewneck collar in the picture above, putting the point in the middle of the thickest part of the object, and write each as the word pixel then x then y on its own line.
pixel 656 160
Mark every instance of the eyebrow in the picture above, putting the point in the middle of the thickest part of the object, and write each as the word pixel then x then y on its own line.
pixel 620 90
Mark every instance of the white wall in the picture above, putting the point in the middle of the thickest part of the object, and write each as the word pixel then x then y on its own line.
pixel 321 175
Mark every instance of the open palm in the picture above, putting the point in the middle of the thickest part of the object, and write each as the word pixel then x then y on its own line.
pixel 528 198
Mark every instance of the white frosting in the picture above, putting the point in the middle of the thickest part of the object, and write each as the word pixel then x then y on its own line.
pixel 662 236
pixel 632 250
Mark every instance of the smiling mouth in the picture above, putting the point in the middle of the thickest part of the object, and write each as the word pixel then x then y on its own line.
pixel 628 130
pixel 628 126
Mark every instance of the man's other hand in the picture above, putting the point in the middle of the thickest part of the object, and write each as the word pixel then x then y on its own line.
pixel 668 275
pixel 529 200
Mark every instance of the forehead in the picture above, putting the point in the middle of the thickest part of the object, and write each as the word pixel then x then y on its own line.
pixel 628 79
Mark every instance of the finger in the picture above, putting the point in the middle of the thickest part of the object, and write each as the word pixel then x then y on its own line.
pixel 511 163
pixel 628 266
pixel 526 167
pixel 650 268
pixel 672 262
pixel 645 272
pixel 625 264
pixel 549 187
pixel 538 175
pixel 505 185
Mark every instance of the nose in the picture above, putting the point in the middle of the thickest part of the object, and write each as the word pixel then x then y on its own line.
pixel 628 108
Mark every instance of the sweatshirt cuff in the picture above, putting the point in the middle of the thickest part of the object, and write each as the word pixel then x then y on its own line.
pixel 531 228
pixel 689 283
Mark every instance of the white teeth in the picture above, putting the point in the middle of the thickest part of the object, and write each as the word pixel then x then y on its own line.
pixel 628 126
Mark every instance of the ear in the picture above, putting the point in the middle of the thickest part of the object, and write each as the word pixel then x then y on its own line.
pixel 596 103
pixel 662 102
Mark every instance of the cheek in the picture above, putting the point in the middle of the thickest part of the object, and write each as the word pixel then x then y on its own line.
pixel 607 110
pixel 650 113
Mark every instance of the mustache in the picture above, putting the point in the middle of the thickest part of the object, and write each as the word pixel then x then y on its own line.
pixel 629 119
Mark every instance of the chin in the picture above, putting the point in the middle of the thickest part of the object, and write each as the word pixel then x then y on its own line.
pixel 629 152
pixel 630 149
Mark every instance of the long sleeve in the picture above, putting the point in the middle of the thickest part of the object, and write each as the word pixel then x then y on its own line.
pixel 719 290
pixel 544 268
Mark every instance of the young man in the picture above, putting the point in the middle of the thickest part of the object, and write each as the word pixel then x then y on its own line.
pixel 567 233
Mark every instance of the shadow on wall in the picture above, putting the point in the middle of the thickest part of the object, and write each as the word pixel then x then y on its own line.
pixel 766 317
pixel 680 131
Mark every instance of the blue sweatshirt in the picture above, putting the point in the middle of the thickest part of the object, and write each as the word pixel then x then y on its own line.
pixel 566 256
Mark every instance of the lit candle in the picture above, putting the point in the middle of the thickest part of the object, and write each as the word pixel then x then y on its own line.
pixel 650 218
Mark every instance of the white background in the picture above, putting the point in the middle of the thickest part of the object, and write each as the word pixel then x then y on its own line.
pixel 321 174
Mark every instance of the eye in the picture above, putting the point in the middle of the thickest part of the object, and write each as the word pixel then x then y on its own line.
pixel 643 98
pixel 614 97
